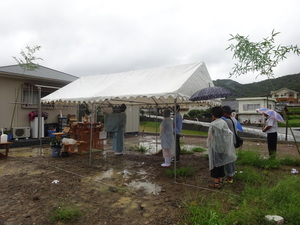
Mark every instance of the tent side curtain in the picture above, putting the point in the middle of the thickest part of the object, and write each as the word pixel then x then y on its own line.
pixel 158 86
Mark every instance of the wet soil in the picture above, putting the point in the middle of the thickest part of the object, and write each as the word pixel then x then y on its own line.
pixel 107 189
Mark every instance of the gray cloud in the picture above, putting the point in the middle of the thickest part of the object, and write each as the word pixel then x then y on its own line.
pixel 99 37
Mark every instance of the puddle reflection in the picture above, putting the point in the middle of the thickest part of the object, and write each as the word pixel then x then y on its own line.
pixel 121 177
pixel 148 187
pixel 106 175
pixel 125 173
pixel 152 147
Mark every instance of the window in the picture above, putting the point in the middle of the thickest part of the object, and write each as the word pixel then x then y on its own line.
pixel 250 107
pixel 30 96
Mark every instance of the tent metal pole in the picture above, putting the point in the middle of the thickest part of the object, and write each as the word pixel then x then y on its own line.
pixel 91 133
pixel 156 120
pixel 175 161
pixel 40 119
pixel 156 131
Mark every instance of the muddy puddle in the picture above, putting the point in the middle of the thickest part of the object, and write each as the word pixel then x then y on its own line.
pixel 150 145
pixel 130 177
pixel 135 179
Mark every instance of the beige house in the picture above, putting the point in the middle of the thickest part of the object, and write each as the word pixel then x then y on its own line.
pixel 285 95
pixel 247 113
pixel 19 96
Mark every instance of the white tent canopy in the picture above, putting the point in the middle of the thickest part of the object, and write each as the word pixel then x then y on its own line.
pixel 158 86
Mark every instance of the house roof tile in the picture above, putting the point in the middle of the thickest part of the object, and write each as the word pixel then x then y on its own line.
pixel 40 72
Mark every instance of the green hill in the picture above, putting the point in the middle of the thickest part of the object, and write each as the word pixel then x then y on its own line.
pixel 259 89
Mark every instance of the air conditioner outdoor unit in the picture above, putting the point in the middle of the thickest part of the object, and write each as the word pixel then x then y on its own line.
pixel 21 132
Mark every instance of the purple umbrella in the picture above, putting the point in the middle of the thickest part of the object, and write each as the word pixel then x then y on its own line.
pixel 271 113
pixel 210 93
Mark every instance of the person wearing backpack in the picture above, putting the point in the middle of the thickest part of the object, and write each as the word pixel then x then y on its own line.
pixel 220 147
pixel 232 124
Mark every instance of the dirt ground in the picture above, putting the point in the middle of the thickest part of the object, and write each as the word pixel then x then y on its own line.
pixel 107 189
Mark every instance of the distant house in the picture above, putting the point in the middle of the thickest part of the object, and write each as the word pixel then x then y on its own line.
pixel 19 94
pixel 285 95
pixel 247 113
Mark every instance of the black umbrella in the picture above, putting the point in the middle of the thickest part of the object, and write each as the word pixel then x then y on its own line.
pixel 210 93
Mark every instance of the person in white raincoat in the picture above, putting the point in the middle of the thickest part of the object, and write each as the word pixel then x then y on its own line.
pixel 167 138
pixel 221 150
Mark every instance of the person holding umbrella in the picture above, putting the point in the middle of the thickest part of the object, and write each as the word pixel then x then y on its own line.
pixel 271 130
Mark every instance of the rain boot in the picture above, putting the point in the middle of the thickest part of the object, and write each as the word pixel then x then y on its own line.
pixel 167 162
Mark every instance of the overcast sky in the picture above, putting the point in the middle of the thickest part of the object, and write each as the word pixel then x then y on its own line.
pixel 94 37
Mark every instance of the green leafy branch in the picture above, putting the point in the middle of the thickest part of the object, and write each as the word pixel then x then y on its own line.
pixel 27 63
pixel 261 57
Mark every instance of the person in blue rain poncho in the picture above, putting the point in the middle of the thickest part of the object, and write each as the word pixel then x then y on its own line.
pixel 221 150
pixel 178 128
pixel 167 138
pixel 238 124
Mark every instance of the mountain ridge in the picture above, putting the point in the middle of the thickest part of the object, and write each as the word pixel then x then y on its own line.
pixel 261 88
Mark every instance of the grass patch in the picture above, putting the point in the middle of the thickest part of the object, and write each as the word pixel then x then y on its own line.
pixel 153 127
pixel 290 161
pixel 66 213
pixel 140 149
pixel 293 123
pixel 193 132
pixel 285 199
pixel 184 151
pixel 293 110
pixel 251 158
pixel 262 194
pixel 204 210
pixel 294 117
pixel 149 127
pixel 198 149
pixel 264 190
pixel 181 172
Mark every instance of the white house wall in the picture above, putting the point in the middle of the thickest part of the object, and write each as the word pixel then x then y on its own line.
pixel 285 93
pixel 133 119
pixel 10 99
pixel 252 116
pixel 262 104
